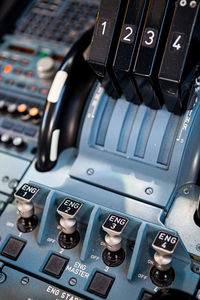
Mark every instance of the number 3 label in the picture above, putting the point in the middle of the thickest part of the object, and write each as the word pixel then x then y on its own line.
pixel 149 37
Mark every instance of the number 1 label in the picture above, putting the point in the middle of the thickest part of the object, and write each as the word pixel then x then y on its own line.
pixel 103 28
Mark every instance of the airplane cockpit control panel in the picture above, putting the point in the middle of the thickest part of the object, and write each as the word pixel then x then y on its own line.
pixel 99 149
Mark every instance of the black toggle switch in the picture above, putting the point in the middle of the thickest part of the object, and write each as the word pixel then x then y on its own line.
pixel 104 43
pixel 151 49
pixel 181 57
pixel 27 221
pixel 114 254
pixel 127 48
pixel 162 274
pixel 69 237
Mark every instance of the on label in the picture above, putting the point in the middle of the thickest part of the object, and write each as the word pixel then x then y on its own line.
pixel 27 192
pixel 115 223
pixel 166 241
pixel 70 207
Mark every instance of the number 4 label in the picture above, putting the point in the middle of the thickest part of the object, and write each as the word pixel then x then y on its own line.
pixel 177 42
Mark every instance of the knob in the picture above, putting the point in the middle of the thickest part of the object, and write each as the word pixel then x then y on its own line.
pixel 18 143
pixel 12 109
pixel 114 225
pixel 23 111
pixel 35 115
pixel 170 294
pixel 3 106
pixel 28 220
pixel 69 236
pixel 46 68
pixel 6 139
pixel 165 244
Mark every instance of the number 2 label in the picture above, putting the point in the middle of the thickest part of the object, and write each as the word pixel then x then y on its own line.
pixel 128 33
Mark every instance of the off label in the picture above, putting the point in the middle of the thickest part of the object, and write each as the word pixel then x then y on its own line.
pixel 166 241
pixel 115 223
pixel 26 192
pixel 70 207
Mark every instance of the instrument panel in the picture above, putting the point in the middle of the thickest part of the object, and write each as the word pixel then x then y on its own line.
pixel 99 151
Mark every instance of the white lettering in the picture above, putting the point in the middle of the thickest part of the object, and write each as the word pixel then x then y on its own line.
pixel 94 257
pixel 29 189
pixel 53 290
pixel 161 236
pixel 77 271
pixel 72 204
pixel 168 238
pixel 117 220
pixel 173 240
pixel 9 224
pixel 142 276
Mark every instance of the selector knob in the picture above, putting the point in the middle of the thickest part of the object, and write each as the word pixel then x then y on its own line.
pixel 12 109
pixel 165 244
pixel 6 139
pixel 69 237
pixel 18 143
pixel 114 225
pixel 3 106
pixel 35 115
pixel 46 68
pixel 27 221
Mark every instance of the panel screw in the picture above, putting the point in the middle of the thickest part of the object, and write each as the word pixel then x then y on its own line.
pixel 90 171
pixel 13 183
pixel 5 179
pixel 149 191
pixel 193 4
pixel 25 280
pixel 2 277
pixel 72 281
pixel 196 269
pixel 183 3
pixel 186 191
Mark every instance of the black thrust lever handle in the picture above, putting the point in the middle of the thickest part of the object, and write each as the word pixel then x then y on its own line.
pixel 64 106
